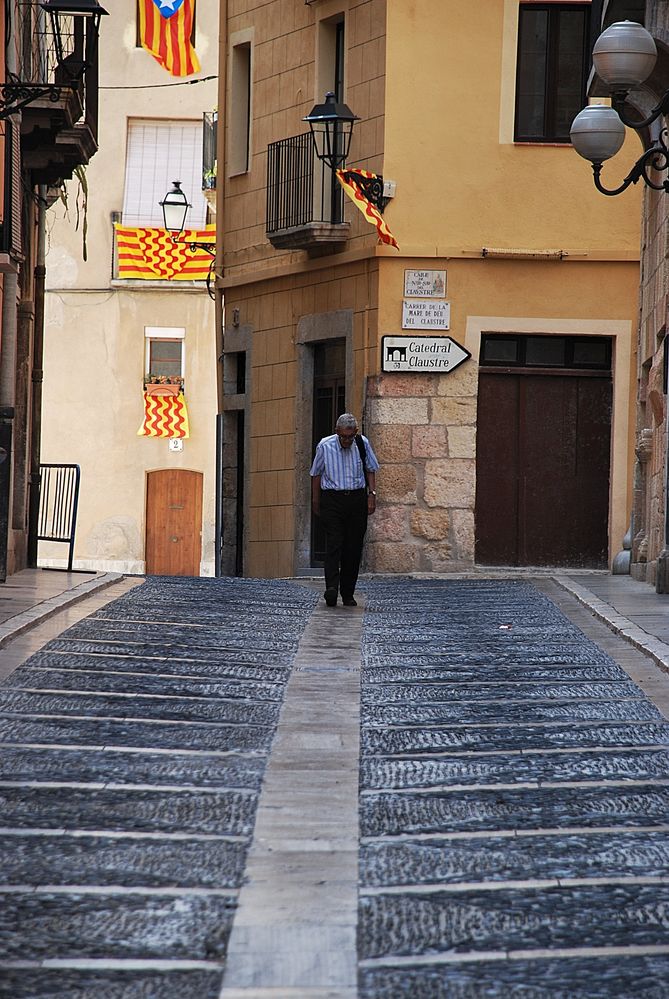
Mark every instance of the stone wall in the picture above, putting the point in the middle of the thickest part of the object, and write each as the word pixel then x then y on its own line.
pixel 648 534
pixel 423 430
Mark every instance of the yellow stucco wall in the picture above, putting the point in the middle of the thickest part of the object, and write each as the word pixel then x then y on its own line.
pixel 462 183
pixel 441 85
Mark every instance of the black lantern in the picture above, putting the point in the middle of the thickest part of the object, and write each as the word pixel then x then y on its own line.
pixel 90 12
pixel 331 127
pixel 75 25
pixel 175 207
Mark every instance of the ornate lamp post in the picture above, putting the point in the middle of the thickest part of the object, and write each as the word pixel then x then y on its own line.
pixel 175 207
pixel 331 127
pixel 624 57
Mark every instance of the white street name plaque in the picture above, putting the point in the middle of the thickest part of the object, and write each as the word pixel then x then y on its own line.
pixel 425 354
pixel 421 315
pixel 425 284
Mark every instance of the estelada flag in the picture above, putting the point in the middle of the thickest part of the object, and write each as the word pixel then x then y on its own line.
pixel 164 416
pixel 165 28
pixel 150 253
pixel 347 179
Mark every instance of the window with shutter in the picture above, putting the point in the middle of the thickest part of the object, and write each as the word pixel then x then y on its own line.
pixel 11 241
pixel 159 152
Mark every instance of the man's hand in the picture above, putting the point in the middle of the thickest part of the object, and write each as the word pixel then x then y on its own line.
pixel 371 503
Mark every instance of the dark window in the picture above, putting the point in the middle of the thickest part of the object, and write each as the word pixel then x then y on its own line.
pixel 339 61
pixel 583 353
pixel 165 357
pixel 553 60
pixel 241 372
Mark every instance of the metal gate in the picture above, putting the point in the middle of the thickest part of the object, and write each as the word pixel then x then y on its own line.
pixel 58 503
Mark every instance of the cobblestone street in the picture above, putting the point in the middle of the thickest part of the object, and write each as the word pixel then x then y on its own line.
pixel 181 812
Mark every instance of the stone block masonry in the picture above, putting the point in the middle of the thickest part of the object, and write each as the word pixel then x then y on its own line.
pixel 423 429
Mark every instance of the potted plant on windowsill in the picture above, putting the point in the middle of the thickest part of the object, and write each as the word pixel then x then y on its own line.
pixel 163 384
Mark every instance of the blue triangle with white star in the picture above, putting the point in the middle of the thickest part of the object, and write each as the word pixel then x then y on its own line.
pixel 167 7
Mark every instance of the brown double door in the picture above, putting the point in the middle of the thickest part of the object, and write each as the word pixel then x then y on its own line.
pixel 542 468
pixel 173 523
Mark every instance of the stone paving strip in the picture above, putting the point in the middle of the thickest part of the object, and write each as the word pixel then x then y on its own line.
pixel 514 803
pixel 132 750
pixel 294 935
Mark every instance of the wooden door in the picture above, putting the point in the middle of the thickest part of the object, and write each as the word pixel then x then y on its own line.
pixel 173 523
pixel 542 469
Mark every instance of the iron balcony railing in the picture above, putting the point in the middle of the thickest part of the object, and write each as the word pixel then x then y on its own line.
pixel 209 131
pixel 299 189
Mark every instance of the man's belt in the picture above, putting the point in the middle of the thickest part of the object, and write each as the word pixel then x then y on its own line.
pixel 345 492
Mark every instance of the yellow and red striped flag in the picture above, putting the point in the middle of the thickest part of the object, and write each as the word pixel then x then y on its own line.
pixel 164 416
pixel 151 254
pixel 165 28
pixel 347 179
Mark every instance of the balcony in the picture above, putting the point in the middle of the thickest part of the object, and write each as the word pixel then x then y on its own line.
pixel 209 161
pixel 305 205
pixel 60 134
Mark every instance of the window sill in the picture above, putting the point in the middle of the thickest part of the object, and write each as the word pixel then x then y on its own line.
pixel 133 284
pixel 543 142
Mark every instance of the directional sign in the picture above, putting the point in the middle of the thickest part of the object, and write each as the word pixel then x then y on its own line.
pixel 422 354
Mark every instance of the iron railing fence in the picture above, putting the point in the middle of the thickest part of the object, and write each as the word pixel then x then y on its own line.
pixel 299 189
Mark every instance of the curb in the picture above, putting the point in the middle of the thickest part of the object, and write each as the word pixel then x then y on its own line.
pixel 658 651
pixel 16 625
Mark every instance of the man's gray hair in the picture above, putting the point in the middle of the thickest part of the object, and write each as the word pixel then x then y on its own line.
pixel 348 421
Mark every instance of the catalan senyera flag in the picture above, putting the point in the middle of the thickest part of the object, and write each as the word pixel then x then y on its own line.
pixel 150 253
pixel 164 416
pixel 347 180
pixel 165 28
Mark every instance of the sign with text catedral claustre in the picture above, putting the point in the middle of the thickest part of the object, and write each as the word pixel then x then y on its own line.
pixel 423 354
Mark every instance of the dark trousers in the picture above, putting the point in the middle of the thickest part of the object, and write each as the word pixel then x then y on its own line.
pixel 344 518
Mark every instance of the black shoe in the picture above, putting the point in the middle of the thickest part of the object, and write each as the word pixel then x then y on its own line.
pixel 330 596
pixel 349 602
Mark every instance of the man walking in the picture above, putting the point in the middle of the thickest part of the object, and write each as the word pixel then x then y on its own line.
pixel 343 494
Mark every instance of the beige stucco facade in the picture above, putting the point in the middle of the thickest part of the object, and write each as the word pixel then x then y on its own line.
pixel 95 343
pixel 526 247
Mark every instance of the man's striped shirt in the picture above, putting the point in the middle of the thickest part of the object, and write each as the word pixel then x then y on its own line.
pixel 340 467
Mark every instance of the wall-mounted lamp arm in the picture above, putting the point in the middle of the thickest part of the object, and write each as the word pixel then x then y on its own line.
pixel 618 103
pixel 656 158
pixel 192 246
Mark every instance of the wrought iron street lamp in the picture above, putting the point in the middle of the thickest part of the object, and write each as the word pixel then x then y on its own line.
pixel 175 207
pixel 624 57
pixel 331 127
pixel 71 21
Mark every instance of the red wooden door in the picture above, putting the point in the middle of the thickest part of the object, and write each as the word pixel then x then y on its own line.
pixel 542 469
pixel 173 523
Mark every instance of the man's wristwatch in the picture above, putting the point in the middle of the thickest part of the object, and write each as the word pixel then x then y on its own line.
pixel 371 492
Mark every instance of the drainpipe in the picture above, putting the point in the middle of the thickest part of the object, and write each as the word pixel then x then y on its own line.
pixel 37 378
pixel 219 311
pixel 7 401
